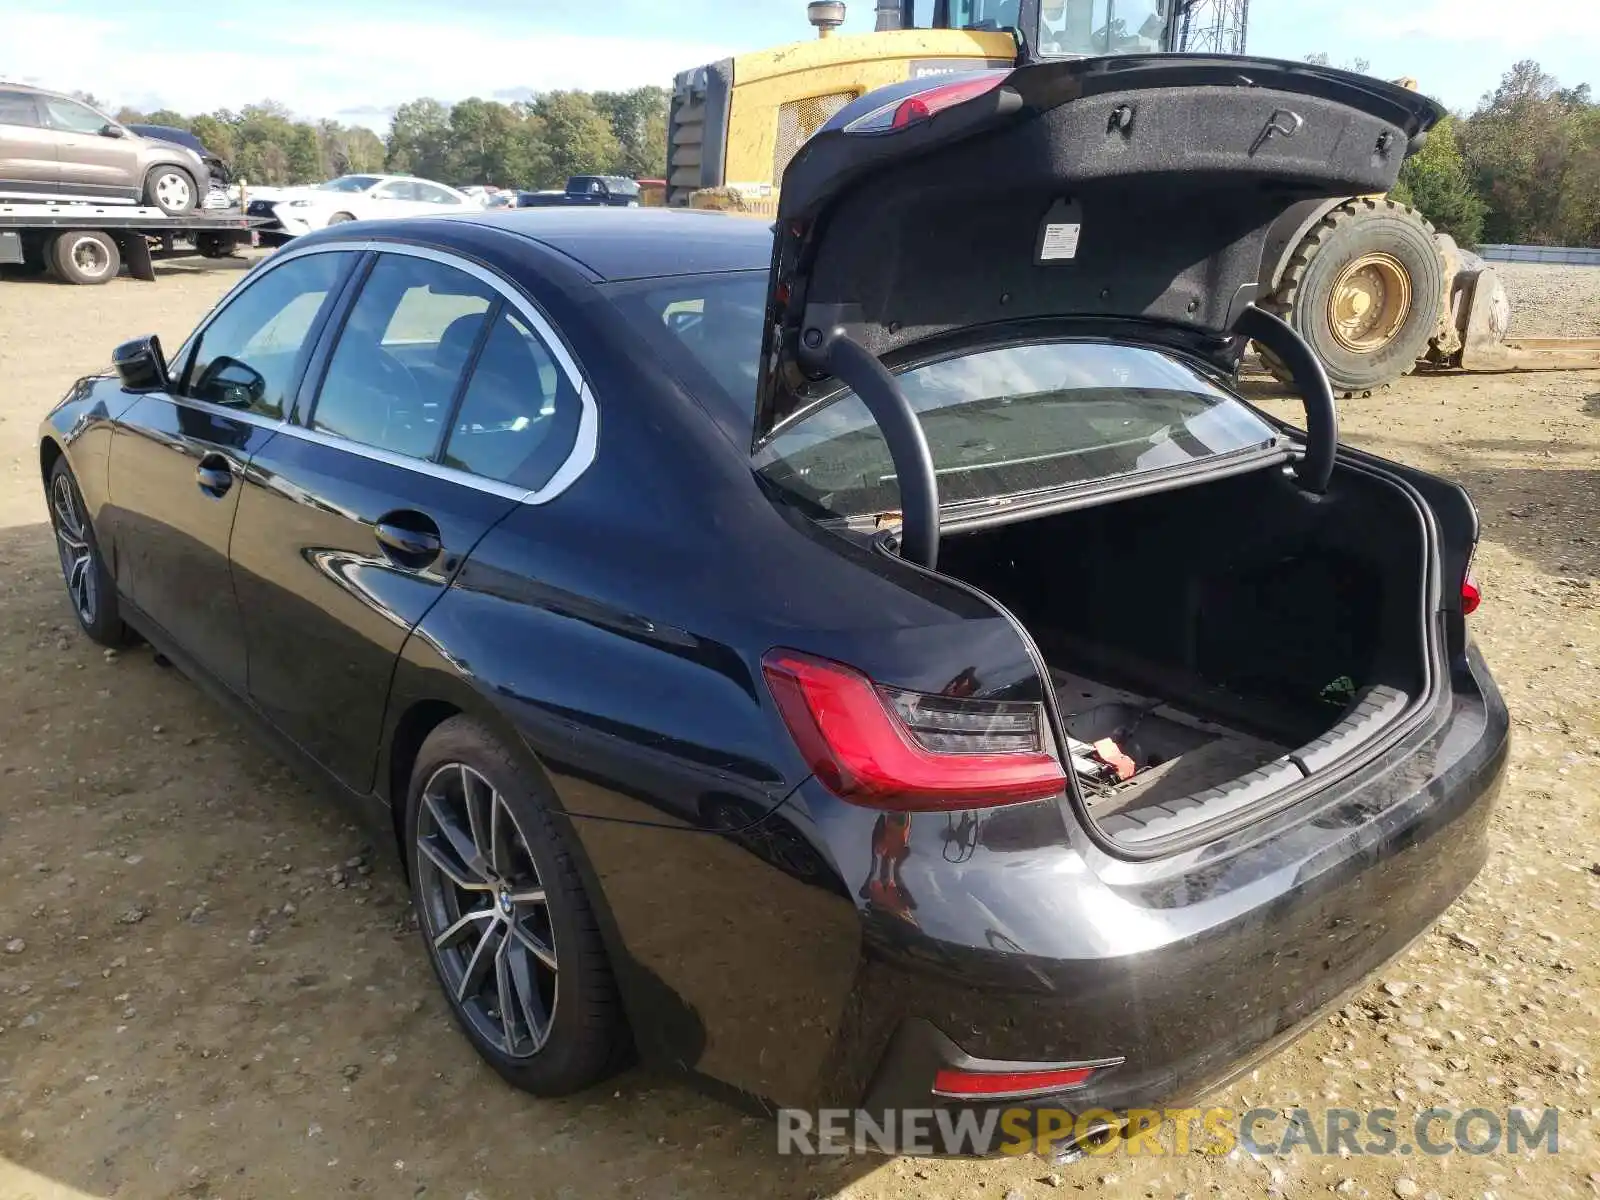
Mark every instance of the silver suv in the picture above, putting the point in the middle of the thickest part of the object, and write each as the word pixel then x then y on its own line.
pixel 53 147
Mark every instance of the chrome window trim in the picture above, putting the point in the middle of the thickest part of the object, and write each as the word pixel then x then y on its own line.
pixel 585 444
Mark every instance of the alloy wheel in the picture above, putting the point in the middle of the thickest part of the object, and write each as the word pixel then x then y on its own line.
pixel 484 911
pixel 77 552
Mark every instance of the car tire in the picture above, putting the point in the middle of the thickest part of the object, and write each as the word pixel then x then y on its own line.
pixel 90 588
pixel 85 256
pixel 540 955
pixel 172 190
pixel 214 245
pixel 340 218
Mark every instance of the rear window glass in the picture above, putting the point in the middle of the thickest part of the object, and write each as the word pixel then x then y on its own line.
pixel 1000 422
pixel 1014 420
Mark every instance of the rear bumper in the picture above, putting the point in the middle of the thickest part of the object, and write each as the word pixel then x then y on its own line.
pixel 989 942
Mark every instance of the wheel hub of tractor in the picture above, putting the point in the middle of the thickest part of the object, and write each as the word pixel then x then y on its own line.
pixel 1369 303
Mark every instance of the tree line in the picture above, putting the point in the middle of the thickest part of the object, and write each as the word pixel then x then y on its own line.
pixel 527 144
pixel 1523 167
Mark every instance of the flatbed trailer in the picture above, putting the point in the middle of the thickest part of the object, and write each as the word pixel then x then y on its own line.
pixel 88 243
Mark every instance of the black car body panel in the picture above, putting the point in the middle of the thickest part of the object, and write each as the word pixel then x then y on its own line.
pixel 1097 153
pixel 612 636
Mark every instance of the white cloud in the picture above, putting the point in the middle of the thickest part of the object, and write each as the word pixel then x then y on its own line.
pixel 355 71
pixel 1525 24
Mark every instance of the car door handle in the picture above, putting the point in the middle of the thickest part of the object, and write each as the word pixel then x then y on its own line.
pixel 214 475
pixel 410 539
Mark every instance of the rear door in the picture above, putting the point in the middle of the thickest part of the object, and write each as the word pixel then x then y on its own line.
pixel 179 459
pixel 353 521
pixel 27 149
pixel 397 198
pixel 92 162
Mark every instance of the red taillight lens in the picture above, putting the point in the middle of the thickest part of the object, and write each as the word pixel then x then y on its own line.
pixel 983 1085
pixel 892 749
pixel 923 106
pixel 1471 597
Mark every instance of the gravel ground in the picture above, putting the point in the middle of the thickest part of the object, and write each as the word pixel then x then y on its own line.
pixel 208 986
pixel 1552 301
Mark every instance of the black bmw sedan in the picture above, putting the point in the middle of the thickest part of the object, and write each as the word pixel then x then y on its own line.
pixel 870 661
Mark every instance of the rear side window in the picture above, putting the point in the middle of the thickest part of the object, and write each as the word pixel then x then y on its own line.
pixel 402 355
pixel 1015 420
pixel 252 353
pixel 17 108
pixel 520 414
pixel 431 194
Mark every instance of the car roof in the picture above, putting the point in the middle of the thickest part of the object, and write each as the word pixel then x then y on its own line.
pixel 39 91
pixel 642 243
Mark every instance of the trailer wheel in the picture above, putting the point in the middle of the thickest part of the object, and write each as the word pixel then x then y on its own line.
pixel 1364 289
pixel 85 256
pixel 214 245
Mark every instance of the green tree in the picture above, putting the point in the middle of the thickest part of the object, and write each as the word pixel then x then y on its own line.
pixel 214 135
pixel 494 143
pixel 1320 59
pixel 1519 145
pixel 639 121
pixel 578 138
pixel 304 152
pixel 419 140
pixel 1438 182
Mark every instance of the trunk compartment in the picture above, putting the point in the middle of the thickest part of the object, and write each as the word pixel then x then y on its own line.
pixel 1232 638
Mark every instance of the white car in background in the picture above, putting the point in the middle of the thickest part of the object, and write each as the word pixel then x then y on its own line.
pixel 367 198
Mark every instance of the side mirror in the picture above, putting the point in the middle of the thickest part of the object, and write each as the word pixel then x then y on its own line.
pixel 141 365
pixel 113 131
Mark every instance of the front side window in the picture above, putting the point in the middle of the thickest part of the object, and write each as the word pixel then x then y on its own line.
pixel 1078 28
pixel 17 108
pixel 250 355
pixel 402 355
pixel 72 117
pixel 1016 420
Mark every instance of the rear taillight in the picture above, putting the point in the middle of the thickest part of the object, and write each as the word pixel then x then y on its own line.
pixel 913 110
pixel 1471 597
pixel 893 749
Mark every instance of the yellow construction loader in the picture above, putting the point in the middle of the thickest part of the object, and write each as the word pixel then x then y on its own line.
pixel 1367 281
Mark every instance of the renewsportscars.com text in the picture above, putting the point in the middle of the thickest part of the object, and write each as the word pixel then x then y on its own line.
pixel 1175 1131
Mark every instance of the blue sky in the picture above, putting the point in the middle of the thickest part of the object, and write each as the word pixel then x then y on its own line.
pixel 355 59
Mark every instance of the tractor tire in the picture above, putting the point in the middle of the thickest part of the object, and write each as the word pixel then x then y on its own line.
pixel 1364 289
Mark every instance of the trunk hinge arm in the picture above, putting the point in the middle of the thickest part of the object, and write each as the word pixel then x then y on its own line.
pixel 859 369
pixel 1315 469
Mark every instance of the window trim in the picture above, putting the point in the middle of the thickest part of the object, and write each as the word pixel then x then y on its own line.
pixel 584 447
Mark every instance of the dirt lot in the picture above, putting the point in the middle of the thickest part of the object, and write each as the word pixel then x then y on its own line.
pixel 206 987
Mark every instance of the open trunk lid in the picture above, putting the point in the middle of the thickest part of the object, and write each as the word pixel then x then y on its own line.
pixel 1127 188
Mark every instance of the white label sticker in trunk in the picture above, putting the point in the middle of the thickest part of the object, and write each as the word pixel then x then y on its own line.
pixel 1060 241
